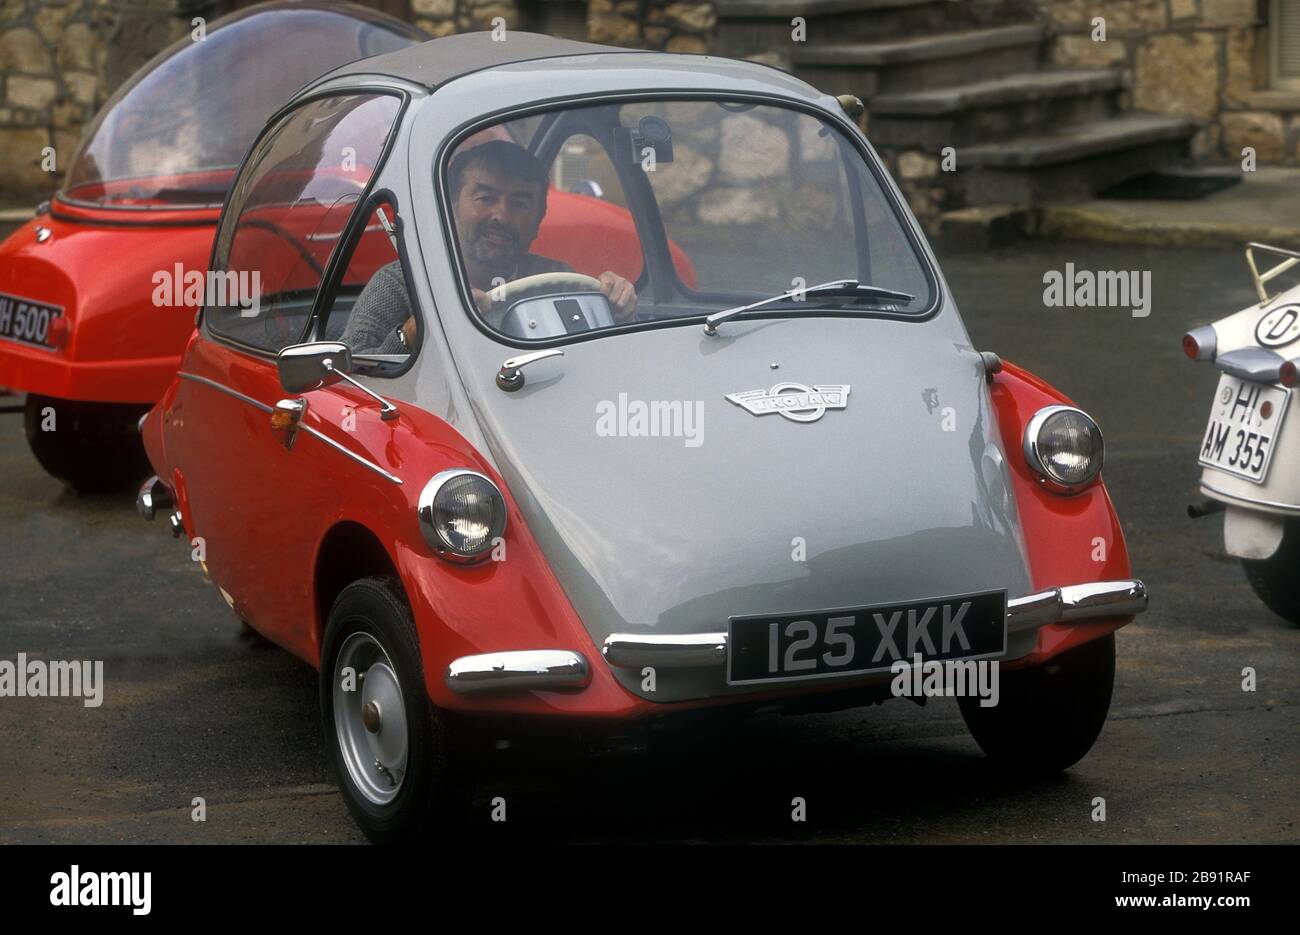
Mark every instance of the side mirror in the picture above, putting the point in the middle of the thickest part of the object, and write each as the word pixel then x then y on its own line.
pixel 323 363
pixel 310 366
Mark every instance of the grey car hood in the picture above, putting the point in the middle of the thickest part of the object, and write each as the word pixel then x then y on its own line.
pixel 675 535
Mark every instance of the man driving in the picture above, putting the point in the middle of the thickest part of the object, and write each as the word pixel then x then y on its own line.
pixel 498 192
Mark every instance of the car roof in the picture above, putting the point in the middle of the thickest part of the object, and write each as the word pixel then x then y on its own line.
pixel 438 61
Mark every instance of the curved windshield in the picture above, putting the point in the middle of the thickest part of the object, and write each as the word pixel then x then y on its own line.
pixel 599 216
pixel 174 134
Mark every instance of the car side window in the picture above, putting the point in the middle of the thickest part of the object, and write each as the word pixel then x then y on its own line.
pixel 287 212
pixel 371 310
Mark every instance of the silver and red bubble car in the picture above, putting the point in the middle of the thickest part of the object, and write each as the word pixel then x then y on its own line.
pixel 480 460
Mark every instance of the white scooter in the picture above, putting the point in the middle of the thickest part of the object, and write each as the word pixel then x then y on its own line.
pixel 1250 460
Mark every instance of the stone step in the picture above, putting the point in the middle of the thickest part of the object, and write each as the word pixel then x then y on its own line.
pixel 1071 163
pixel 994 109
pixel 746 27
pixel 920 63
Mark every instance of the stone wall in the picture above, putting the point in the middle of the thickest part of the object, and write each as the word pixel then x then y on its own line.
pixel 59 61
pixel 652 24
pixel 445 17
pixel 1206 59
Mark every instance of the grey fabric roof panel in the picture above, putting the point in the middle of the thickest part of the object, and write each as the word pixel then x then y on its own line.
pixel 440 60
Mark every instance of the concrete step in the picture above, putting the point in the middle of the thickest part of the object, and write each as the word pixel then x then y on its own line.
pixel 919 63
pixel 994 109
pixel 1071 163
pixel 746 27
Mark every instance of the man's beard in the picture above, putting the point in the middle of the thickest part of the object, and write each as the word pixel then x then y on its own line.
pixel 498 257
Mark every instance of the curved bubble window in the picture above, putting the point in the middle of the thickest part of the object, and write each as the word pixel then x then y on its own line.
pixel 174 134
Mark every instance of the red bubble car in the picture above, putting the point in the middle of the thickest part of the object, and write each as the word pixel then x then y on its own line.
pixel 476 465
pixel 82 330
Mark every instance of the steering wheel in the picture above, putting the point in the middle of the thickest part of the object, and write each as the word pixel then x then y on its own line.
pixel 509 293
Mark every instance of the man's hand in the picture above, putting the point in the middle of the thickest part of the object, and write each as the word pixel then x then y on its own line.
pixel 408 331
pixel 621 295
pixel 481 300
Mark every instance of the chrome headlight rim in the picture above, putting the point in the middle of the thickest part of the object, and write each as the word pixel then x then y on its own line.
pixel 429 528
pixel 1034 458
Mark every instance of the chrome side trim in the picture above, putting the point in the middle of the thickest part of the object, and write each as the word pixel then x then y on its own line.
pixel 684 650
pixel 351 454
pixel 221 387
pixel 518 670
pixel 1071 603
pixel 1289 509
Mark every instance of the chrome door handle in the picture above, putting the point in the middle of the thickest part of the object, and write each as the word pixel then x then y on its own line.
pixel 511 375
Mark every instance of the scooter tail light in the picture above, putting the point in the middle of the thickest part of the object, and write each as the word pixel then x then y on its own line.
pixel 1200 343
pixel 1287 373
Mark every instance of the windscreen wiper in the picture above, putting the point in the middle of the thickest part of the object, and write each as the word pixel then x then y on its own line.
pixel 840 287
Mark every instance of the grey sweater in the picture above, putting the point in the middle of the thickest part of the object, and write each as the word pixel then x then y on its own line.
pixel 383 305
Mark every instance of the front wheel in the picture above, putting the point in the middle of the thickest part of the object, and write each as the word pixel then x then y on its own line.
pixel 1276 579
pixel 392 750
pixel 91 447
pixel 1048 717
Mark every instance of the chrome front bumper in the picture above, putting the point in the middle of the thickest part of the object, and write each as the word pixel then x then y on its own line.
pixel 559 669
pixel 1072 603
pixel 521 670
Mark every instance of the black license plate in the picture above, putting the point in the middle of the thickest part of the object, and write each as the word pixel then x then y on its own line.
pixel 857 640
pixel 25 321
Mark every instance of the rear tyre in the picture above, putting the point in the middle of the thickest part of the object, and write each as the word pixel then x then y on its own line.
pixel 1276 579
pixel 91 447
pixel 1048 717
pixel 395 756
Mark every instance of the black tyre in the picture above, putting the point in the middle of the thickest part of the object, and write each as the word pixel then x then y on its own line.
pixel 1047 718
pixel 394 753
pixel 91 447
pixel 1276 580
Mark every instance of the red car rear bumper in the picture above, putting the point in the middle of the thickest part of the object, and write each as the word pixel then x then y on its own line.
pixel 49 373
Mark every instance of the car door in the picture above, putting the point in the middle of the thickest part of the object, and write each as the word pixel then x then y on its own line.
pixel 257 507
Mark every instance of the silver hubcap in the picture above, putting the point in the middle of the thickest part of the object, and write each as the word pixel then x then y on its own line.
pixel 370 721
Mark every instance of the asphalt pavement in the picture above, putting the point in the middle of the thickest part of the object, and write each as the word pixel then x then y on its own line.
pixel 196 706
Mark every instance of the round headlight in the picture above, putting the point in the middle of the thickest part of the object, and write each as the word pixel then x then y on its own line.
pixel 1064 445
pixel 461 514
